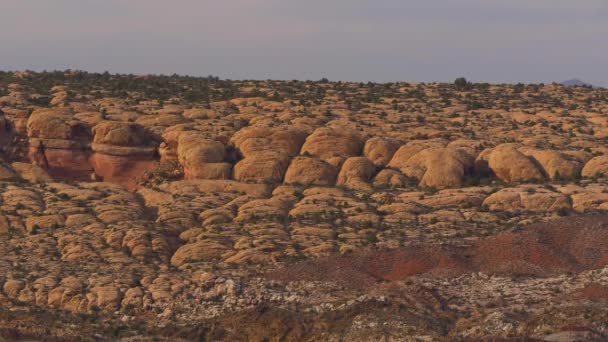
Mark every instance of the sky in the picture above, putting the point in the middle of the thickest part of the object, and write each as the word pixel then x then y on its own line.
pixel 492 41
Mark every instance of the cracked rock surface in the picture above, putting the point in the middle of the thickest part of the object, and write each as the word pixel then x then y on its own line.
pixel 177 208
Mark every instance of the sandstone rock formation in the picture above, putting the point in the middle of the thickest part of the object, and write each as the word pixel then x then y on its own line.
pixel 437 167
pixel 595 167
pixel 356 173
pixel 508 164
pixel 59 143
pixel 554 164
pixel 266 153
pixel 119 154
pixel 202 158
pixel 379 150
pixel 310 171
pixel 326 143
pixel 184 208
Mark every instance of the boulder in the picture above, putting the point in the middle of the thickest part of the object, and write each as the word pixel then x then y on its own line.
pixel 123 169
pixel 207 186
pixel 120 154
pixel 204 250
pixel 253 140
pixel 58 143
pixel 435 167
pixel 12 287
pixel 89 119
pixel 267 167
pixel 355 172
pixel 267 153
pixel 164 120
pixel 104 297
pixel 170 138
pixel 251 256
pixel 50 124
pixel 509 164
pixel 463 197
pixel 380 151
pixel 310 171
pixel 202 158
pixel 554 164
pixel 326 142
pixel 390 179
pixel 596 167
pixel 118 133
pixel 589 200
pixel 405 152
pixel 63 159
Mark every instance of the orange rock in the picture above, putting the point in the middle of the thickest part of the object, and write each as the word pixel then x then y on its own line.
pixel 310 171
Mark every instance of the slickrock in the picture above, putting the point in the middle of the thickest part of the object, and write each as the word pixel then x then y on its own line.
pixel 356 173
pixel 31 173
pixel 554 164
pixel 310 171
pixel 379 150
pixel 508 164
pixel 58 143
pixel 527 198
pixel 267 153
pixel 595 167
pixel 326 143
pixel 118 154
pixel 202 158
pixel 434 167
pixel 183 208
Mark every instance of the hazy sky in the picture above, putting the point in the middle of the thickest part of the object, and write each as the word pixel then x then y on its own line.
pixel 377 40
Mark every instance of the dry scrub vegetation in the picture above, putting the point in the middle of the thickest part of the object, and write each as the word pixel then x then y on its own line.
pixel 190 208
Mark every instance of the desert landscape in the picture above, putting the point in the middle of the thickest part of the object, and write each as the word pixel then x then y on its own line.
pixel 178 208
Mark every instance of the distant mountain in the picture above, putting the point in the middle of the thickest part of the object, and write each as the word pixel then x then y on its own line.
pixel 575 82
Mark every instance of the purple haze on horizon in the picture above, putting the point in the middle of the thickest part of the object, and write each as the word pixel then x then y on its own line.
pixel 359 40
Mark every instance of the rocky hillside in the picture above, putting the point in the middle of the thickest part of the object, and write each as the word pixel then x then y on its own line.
pixel 197 208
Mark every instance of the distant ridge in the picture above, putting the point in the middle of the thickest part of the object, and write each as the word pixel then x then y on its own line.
pixel 575 82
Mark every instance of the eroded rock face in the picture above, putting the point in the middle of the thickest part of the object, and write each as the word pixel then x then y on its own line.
pixel 310 171
pixel 7 174
pixel 50 124
pixel 197 252
pixel 389 178
pixel 370 184
pixel 119 155
pixel 122 168
pixel 267 153
pixel 434 167
pixel 356 173
pixel 595 167
pixel 170 138
pixel 31 173
pixel 380 151
pixel 6 131
pixel 407 151
pixel 527 198
pixel 115 133
pixel 554 164
pixel 59 144
pixel 509 164
pixel 202 158
pixel 326 143
pixel 64 159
